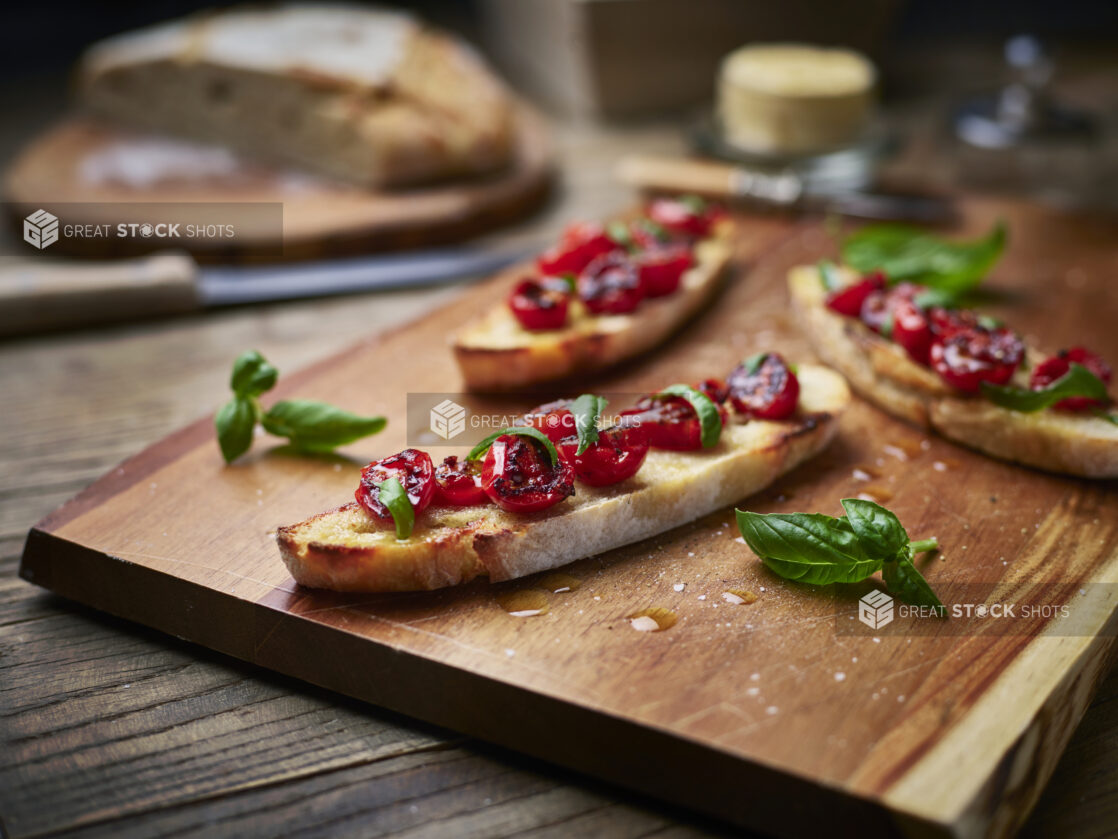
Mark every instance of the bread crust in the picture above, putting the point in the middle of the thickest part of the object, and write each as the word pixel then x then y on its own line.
pixel 881 371
pixel 495 353
pixel 344 550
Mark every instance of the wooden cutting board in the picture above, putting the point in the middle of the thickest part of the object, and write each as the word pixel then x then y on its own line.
pixel 87 172
pixel 784 714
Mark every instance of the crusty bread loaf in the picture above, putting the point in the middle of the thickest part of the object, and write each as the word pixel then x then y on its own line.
pixel 496 353
pixel 345 550
pixel 881 371
pixel 363 95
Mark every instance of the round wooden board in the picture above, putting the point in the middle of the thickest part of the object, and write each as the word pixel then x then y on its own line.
pixel 99 171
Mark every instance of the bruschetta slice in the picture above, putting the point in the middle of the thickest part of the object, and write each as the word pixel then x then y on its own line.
pixel 349 549
pixel 942 369
pixel 602 295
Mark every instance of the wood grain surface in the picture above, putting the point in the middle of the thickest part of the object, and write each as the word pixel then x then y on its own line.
pixel 766 697
pixel 319 217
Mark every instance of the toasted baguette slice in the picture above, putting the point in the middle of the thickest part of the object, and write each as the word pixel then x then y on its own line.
pixel 881 371
pixel 497 353
pixel 345 550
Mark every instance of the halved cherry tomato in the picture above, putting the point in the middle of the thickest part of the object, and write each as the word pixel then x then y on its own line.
pixel 458 483
pixel 768 391
pixel 714 388
pixel 848 300
pixel 580 245
pixel 615 457
pixel 411 467
pixel 554 419
pixel 1058 366
pixel 669 422
pixel 539 304
pixel 611 284
pixel 691 215
pixel 968 357
pixel 912 330
pixel 519 476
pixel 662 267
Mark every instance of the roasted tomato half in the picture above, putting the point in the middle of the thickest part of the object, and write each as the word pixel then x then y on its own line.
pixel 519 477
pixel 662 267
pixel 554 419
pixel 968 357
pixel 714 388
pixel 458 483
pixel 611 284
pixel 1052 369
pixel 540 304
pixel 669 422
pixel 411 467
pixel 616 456
pixel 850 299
pixel 766 390
pixel 690 215
pixel 580 245
pixel 912 330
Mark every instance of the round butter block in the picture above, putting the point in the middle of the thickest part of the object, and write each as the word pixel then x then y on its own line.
pixel 794 98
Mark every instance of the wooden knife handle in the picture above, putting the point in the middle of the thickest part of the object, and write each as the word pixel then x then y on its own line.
pixel 670 174
pixel 42 294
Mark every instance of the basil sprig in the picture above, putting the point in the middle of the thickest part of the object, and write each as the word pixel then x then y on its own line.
pixel 308 425
pixel 909 253
pixel 710 420
pixel 392 495
pixel 1077 381
pixel 829 275
pixel 587 410
pixel 818 549
pixel 478 451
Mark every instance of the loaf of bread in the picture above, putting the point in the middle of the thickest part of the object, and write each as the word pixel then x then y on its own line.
pixel 363 95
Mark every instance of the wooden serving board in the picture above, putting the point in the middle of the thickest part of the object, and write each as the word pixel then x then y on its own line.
pixel 88 172
pixel 782 714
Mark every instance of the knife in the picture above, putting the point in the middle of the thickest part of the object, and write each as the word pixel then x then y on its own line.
pixel 781 190
pixel 38 294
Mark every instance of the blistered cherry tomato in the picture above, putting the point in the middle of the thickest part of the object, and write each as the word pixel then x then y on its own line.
pixel 714 388
pixel 968 357
pixel 554 419
pixel 849 299
pixel 611 284
pixel 615 457
pixel 580 245
pixel 540 304
pixel 411 467
pixel 1056 367
pixel 662 267
pixel 769 390
pixel 458 483
pixel 912 330
pixel 669 422
pixel 518 475
pixel 690 215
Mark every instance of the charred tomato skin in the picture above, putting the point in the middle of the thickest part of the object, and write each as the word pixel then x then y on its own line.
pixel 770 392
pixel 539 304
pixel 518 476
pixel 580 244
pixel 968 357
pixel 716 389
pixel 849 299
pixel 411 467
pixel 554 419
pixel 1056 367
pixel 611 284
pixel 661 268
pixel 615 457
pixel 458 483
pixel 668 422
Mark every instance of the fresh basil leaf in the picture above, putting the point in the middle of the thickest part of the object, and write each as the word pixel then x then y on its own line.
pixel 1106 415
pixel 619 232
pixel 829 275
pixel 478 451
pixel 887 326
pixel 933 297
pixel 235 422
pixel 988 322
pixel 571 280
pixel 392 495
pixel 879 531
pixel 905 582
pixel 754 362
pixel 1078 381
pixel 318 426
pixel 696 204
pixel 252 374
pixel 909 253
pixel 657 231
pixel 587 409
pixel 807 547
pixel 710 420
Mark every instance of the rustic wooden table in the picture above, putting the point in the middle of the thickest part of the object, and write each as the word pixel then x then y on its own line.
pixel 107 728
